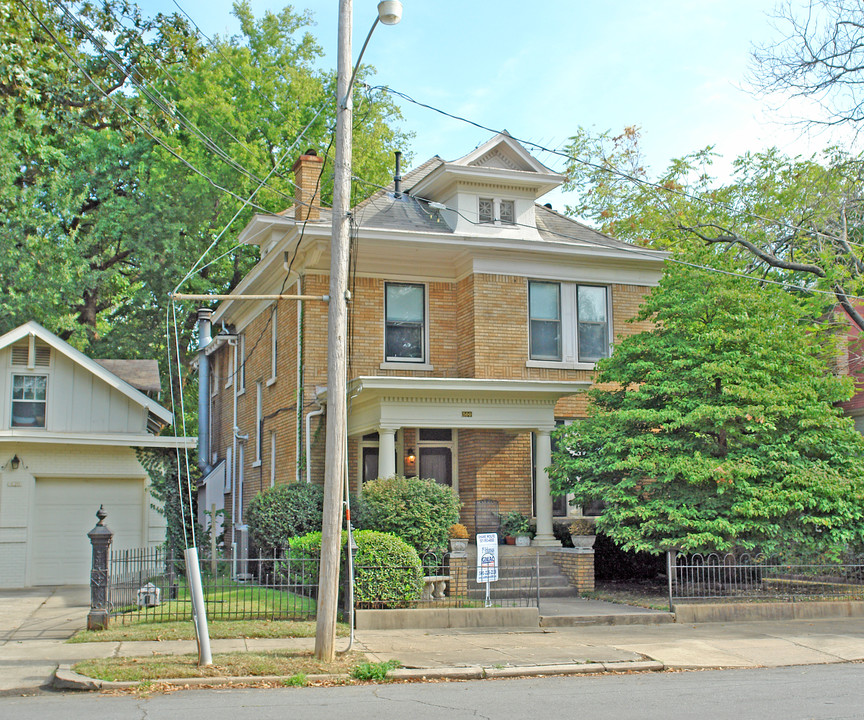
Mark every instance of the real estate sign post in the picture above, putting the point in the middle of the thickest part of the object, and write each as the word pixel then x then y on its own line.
pixel 487 561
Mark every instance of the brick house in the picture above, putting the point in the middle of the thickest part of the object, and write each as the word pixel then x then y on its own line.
pixel 851 362
pixel 475 321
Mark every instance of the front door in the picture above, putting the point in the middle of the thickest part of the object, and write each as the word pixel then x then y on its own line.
pixel 437 463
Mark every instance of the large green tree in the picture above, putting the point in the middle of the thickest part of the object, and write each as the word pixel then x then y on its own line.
pixel 793 219
pixel 717 429
pixel 128 145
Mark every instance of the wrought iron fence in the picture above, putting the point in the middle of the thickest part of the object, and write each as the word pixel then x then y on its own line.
pixel 149 585
pixel 445 581
pixel 748 577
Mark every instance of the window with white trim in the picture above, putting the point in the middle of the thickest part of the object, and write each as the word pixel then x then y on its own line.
pixel 495 210
pixel 405 322
pixel 259 422
pixel 568 322
pixel 241 366
pixel 274 342
pixel 29 400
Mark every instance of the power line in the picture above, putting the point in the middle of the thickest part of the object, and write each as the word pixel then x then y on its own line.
pixel 164 105
pixel 613 171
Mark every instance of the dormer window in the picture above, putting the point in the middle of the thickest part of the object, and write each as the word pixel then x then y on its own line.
pixel 505 215
pixel 507 212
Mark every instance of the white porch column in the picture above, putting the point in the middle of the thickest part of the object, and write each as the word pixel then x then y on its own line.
pixel 543 498
pixel 386 452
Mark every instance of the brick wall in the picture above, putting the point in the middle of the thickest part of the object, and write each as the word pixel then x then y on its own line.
pixel 478 327
pixel 494 465
pixel 577 565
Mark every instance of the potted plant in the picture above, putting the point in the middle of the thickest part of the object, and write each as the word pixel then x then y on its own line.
pixel 582 533
pixel 458 538
pixel 516 528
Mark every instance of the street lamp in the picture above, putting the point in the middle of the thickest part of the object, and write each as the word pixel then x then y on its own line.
pixel 389 13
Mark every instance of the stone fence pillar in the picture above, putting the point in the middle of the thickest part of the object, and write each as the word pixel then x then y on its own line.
pixel 100 538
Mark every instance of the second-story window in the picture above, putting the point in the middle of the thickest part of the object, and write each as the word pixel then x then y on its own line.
pixel 568 323
pixel 491 210
pixel 29 397
pixel 274 342
pixel 487 210
pixel 405 322
pixel 544 303
pixel 507 212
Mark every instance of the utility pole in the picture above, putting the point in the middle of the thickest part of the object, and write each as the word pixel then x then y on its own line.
pixel 389 13
pixel 337 326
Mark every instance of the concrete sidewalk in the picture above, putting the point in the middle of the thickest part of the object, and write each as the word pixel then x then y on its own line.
pixel 35 626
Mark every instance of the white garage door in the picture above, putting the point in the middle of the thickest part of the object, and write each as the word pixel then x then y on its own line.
pixel 66 512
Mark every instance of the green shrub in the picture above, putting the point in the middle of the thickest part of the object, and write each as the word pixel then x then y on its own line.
pixel 387 569
pixel 282 512
pixel 418 511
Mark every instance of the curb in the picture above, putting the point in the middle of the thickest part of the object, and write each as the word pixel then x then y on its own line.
pixel 65 678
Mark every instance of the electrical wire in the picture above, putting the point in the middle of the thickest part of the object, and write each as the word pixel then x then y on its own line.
pixel 631 249
pixel 611 170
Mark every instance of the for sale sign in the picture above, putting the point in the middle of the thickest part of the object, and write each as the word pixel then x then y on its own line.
pixel 487 557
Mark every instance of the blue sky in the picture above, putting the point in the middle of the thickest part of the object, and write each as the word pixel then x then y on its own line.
pixel 541 69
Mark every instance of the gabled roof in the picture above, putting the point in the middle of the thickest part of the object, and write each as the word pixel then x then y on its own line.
pixel 499 160
pixel 143 375
pixel 61 346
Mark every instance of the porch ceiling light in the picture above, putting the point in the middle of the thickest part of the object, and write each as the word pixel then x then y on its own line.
pixel 15 462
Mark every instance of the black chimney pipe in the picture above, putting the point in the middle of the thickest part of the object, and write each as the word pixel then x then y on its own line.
pixel 397 178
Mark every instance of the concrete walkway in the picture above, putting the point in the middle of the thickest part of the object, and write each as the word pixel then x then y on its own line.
pixel 34 624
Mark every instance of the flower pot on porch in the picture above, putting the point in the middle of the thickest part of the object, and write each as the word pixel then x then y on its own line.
pixel 585 542
pixel 523 540
pixel 458 545
pixel 509 540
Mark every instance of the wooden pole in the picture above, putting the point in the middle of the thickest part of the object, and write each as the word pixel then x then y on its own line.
pixel 334 462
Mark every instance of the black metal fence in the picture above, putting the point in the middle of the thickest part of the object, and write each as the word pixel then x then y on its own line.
pixel 149 585
pixel 750 577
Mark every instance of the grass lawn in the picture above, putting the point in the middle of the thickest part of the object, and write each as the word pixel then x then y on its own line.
pixel 185 630
pixel 158 667
pixel 647 594
pixel 224 600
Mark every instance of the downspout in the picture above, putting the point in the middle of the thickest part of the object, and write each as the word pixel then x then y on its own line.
pixel 299 384
pixel 234 431
pixel 204 338
pixel 309 415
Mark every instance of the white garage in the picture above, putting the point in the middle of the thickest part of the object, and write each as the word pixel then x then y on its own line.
pixel 65 511
pixel 70 428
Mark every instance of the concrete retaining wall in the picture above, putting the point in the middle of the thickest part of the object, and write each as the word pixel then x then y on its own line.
pixel 736 612
pixel 446 618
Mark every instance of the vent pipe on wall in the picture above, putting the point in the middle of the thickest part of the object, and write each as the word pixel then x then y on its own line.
pixel 204 338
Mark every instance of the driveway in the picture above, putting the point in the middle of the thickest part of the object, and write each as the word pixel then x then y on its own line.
pixel 34 623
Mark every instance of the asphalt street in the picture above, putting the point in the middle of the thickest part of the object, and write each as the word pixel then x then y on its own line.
pixel 816 692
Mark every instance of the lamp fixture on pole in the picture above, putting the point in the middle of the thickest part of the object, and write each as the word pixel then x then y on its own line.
pixel 389 13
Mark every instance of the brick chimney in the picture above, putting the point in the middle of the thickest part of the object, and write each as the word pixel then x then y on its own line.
pixel 307 193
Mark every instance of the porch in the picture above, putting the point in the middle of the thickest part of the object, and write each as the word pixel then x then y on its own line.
pixel 488 439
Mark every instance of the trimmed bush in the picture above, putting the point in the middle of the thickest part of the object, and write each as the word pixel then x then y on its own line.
pixel 387 570
pixel 417 510
pixel 282 512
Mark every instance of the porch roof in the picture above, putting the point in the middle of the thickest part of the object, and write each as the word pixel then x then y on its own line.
pixel 384 402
